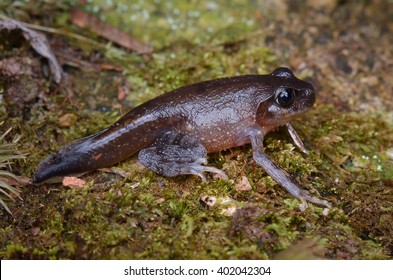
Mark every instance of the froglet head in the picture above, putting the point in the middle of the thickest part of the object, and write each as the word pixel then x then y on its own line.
pixel 289 98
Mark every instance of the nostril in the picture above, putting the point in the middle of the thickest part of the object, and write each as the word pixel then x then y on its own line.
pixel 309 96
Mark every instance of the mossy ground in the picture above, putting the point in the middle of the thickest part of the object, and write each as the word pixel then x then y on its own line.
pixel 145 216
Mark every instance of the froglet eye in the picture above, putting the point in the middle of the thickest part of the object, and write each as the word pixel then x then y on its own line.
pixel 286 97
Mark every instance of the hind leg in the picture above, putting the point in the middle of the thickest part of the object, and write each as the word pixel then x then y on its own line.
pixel 177 154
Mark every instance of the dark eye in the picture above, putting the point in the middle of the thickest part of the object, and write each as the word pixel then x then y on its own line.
pixel 286 97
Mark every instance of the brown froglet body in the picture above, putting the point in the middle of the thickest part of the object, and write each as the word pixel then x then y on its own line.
pixel 174 132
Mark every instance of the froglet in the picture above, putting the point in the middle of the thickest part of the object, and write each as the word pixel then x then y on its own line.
pixel 174 132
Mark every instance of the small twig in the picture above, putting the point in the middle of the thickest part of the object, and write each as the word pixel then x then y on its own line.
pixel 59 32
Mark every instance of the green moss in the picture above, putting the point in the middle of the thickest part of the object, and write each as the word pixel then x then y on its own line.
pixel 160 23
pixel 145 216
pixel 13 249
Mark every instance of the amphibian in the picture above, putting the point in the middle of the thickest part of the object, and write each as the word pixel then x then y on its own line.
pixel 174 132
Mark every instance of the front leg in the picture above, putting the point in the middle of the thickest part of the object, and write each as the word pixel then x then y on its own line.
pixel 296 139
pixel 279 175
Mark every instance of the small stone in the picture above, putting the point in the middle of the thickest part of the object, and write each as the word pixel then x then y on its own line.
pixel 207 201
pixel 122 93
pixel 243 185
pixel 133 186
pixel 73 182
pixel 230 211
pixel 67 120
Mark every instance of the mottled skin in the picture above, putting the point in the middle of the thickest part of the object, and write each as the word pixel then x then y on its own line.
pixel 175 131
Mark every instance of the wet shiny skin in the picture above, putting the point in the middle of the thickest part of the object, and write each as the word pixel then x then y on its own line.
pixel 176 130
